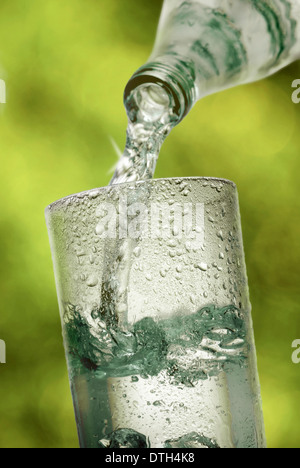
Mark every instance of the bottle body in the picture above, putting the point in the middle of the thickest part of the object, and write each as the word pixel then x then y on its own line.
pixel 207 46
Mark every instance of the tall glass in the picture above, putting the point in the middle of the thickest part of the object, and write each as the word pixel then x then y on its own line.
pixel 156 318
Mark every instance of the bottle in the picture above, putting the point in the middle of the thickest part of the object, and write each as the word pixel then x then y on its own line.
pixel 205 46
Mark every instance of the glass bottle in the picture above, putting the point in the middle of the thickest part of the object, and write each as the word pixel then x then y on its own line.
pixel 205 46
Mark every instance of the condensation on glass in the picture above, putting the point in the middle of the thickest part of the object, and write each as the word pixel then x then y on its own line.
pixel 160 350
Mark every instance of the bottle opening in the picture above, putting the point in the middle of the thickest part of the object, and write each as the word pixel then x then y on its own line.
pixel 151 97
pixel 159 86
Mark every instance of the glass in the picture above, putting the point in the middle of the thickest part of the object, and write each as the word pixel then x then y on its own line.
pixel 156 318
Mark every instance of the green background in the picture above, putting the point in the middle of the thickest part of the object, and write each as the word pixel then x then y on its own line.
pixel 65 64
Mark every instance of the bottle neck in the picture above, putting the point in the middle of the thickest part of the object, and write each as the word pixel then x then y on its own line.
pixel 175 77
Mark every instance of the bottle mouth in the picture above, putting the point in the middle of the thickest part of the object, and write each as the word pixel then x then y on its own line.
pixel 169 80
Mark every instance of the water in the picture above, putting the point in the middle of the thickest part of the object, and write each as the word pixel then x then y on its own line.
pixel 150 120
pixel 162 383
pixel 151 117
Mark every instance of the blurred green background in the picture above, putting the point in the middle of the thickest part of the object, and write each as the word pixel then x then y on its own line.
pixel 65 65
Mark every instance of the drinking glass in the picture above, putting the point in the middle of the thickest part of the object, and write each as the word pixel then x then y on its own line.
pixel 156 318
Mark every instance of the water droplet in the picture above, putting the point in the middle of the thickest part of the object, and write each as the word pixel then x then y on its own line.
pixel 100 228
pixel 95 314
pixel 137 251
pixel 193 299
pixel 175 231
pixel 171 243
pixel 93 194
pixel 188 246
pixel 220 235
pixel 157 403
pixel 202 266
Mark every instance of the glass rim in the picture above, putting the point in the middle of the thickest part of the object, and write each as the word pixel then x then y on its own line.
pixel 132 183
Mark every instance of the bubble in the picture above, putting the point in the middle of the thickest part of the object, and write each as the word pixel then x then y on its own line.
pixel 124 438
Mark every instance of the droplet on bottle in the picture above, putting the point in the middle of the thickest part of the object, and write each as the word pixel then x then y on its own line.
pixel 202 266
